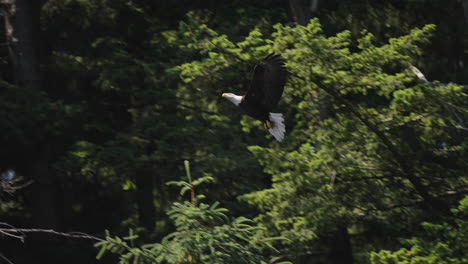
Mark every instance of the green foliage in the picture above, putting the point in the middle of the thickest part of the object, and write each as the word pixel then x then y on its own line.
pixel 204 234
pixel 439 243
pixel 368 146
pixel 129 89
pixel 190 185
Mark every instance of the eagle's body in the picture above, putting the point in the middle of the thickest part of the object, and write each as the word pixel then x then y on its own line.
pixel 256 111
pixel 267 86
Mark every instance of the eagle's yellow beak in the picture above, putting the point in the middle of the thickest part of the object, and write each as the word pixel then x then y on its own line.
pixel 225 95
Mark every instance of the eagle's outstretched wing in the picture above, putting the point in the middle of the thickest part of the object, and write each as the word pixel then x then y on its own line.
pixel 268 82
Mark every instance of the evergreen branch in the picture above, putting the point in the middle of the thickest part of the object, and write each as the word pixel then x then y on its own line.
pixel 403 123
pixel 463 190
pixel 357 179
pixel 223 51
pixel 401 161
pixel 398 159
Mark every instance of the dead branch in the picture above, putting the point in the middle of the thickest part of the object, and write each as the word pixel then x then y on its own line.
pixel 11 186
pixel 5 258
pixel 21 233
pixel 423 78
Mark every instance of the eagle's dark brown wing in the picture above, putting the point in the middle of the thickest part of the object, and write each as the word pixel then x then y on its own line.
pixel 268 82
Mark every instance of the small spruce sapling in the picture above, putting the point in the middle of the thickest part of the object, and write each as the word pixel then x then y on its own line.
pixel 204 234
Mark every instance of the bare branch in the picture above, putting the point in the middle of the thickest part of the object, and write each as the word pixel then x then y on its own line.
pixel 11 235
pixel 420 75
pixel 11 186
pixel 423 78
pixel 20 233
pixel 5 258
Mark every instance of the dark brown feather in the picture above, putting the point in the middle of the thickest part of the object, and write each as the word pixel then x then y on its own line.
pixel 268 82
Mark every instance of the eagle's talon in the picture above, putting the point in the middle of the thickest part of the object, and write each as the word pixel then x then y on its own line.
pixel 267 125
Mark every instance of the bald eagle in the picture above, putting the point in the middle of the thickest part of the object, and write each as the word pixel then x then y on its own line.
pixel 269 78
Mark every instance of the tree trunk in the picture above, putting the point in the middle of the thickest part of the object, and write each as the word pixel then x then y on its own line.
pixel 302 10
pixel 146 212
pixel 143 178
pixel 340 245
pixel 465 12
pixel 23 28
pixel 43 191
pixel 24 44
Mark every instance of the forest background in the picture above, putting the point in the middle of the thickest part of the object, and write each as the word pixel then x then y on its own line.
pixel 111 118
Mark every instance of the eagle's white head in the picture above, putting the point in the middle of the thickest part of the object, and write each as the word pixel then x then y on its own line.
pixel 235 99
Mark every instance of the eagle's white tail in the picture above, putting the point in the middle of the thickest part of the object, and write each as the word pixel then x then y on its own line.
pixel 278 128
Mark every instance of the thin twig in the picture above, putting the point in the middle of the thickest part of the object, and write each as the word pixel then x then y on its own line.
pixel 20 233
pixel 5 258
pixel 11 235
